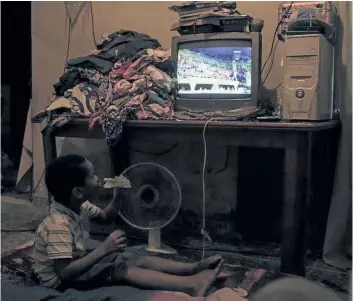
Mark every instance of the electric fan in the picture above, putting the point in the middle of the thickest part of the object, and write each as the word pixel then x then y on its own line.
pixel 151 203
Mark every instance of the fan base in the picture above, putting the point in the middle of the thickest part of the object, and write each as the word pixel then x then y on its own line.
pixel 163 249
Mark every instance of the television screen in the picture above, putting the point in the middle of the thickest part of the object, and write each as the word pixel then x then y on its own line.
pixel 214 70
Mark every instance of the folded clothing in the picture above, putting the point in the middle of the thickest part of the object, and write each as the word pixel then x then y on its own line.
pixel 190 7
pixel 196 12
pixel 125 44
pixel 93 62
pixel 66 82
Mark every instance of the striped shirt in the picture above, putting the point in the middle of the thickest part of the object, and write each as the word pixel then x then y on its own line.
pixel 61 234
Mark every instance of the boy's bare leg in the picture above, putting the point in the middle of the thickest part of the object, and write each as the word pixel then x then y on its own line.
pixel 195 285
pixel 173 267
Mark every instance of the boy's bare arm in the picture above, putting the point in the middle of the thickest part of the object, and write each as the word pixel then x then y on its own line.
pixel 70 270
pixel 110 212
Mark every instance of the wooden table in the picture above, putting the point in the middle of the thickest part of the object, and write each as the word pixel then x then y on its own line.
pixel 299 141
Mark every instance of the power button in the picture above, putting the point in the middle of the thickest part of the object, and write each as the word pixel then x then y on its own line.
pixel 300 93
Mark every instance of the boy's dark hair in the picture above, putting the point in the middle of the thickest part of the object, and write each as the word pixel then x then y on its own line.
pixel 63 174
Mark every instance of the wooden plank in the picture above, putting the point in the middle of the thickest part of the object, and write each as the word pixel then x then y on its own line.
pixel 253 125
pixel 215 137
pixel 78 128
pixel 297 150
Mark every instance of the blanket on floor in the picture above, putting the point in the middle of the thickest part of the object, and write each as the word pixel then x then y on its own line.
pixel 18 281
pixel 14 290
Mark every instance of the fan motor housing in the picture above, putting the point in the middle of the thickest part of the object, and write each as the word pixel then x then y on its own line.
pixel 149 196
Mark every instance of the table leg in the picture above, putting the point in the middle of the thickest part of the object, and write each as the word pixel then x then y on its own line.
pixel 296 197
pixel 119 157
pixel 49 147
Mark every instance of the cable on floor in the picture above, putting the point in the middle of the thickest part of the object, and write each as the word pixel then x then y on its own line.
pixel 203 229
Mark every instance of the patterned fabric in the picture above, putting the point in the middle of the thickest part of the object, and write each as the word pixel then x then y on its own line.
pixel 61 234
pixel 159 78
pixel 98 79
pixel 113 126
pixel 134 89
pixel 84 100
pixel 159 54
pixel 247 113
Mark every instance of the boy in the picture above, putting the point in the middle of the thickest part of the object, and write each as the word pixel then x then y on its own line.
pixel 61 257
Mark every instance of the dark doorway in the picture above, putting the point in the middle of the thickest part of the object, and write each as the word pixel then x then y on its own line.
pixel 15 74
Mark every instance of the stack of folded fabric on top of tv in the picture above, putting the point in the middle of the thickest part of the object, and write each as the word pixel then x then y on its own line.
pixel 196 9
pixel 199 13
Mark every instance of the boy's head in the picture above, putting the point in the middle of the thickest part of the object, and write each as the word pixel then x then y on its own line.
pixel 69 178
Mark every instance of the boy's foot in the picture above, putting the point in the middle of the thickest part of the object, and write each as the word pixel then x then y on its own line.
pixel 204 280
pixel 208 263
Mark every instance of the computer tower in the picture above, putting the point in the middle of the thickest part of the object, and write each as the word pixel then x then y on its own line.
pixel 308 78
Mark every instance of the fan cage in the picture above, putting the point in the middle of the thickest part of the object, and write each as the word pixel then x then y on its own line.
pixel 178 192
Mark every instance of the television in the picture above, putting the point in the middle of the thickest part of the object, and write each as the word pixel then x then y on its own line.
pixel 217 71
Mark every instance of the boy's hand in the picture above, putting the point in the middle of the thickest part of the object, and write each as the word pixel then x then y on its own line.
pixel 114 242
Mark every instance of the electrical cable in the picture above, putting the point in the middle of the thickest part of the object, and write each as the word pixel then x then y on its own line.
pixel 272 61
pixel 203 230
pixel 68 37
pixel 92 23
pixel 40 180
pixel 275 35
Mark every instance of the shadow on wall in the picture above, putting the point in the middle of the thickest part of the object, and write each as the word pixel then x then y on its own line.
pixel 270 95
pixel 338 240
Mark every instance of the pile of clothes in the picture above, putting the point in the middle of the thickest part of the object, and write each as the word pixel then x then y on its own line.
pixel 193 12
pixel 126 78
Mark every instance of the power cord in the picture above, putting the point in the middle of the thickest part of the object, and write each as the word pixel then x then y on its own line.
pixel 272 61
pixel 272 50
pixel 92 23
pixel 68 38
pixel 203 229
pixel 275 35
